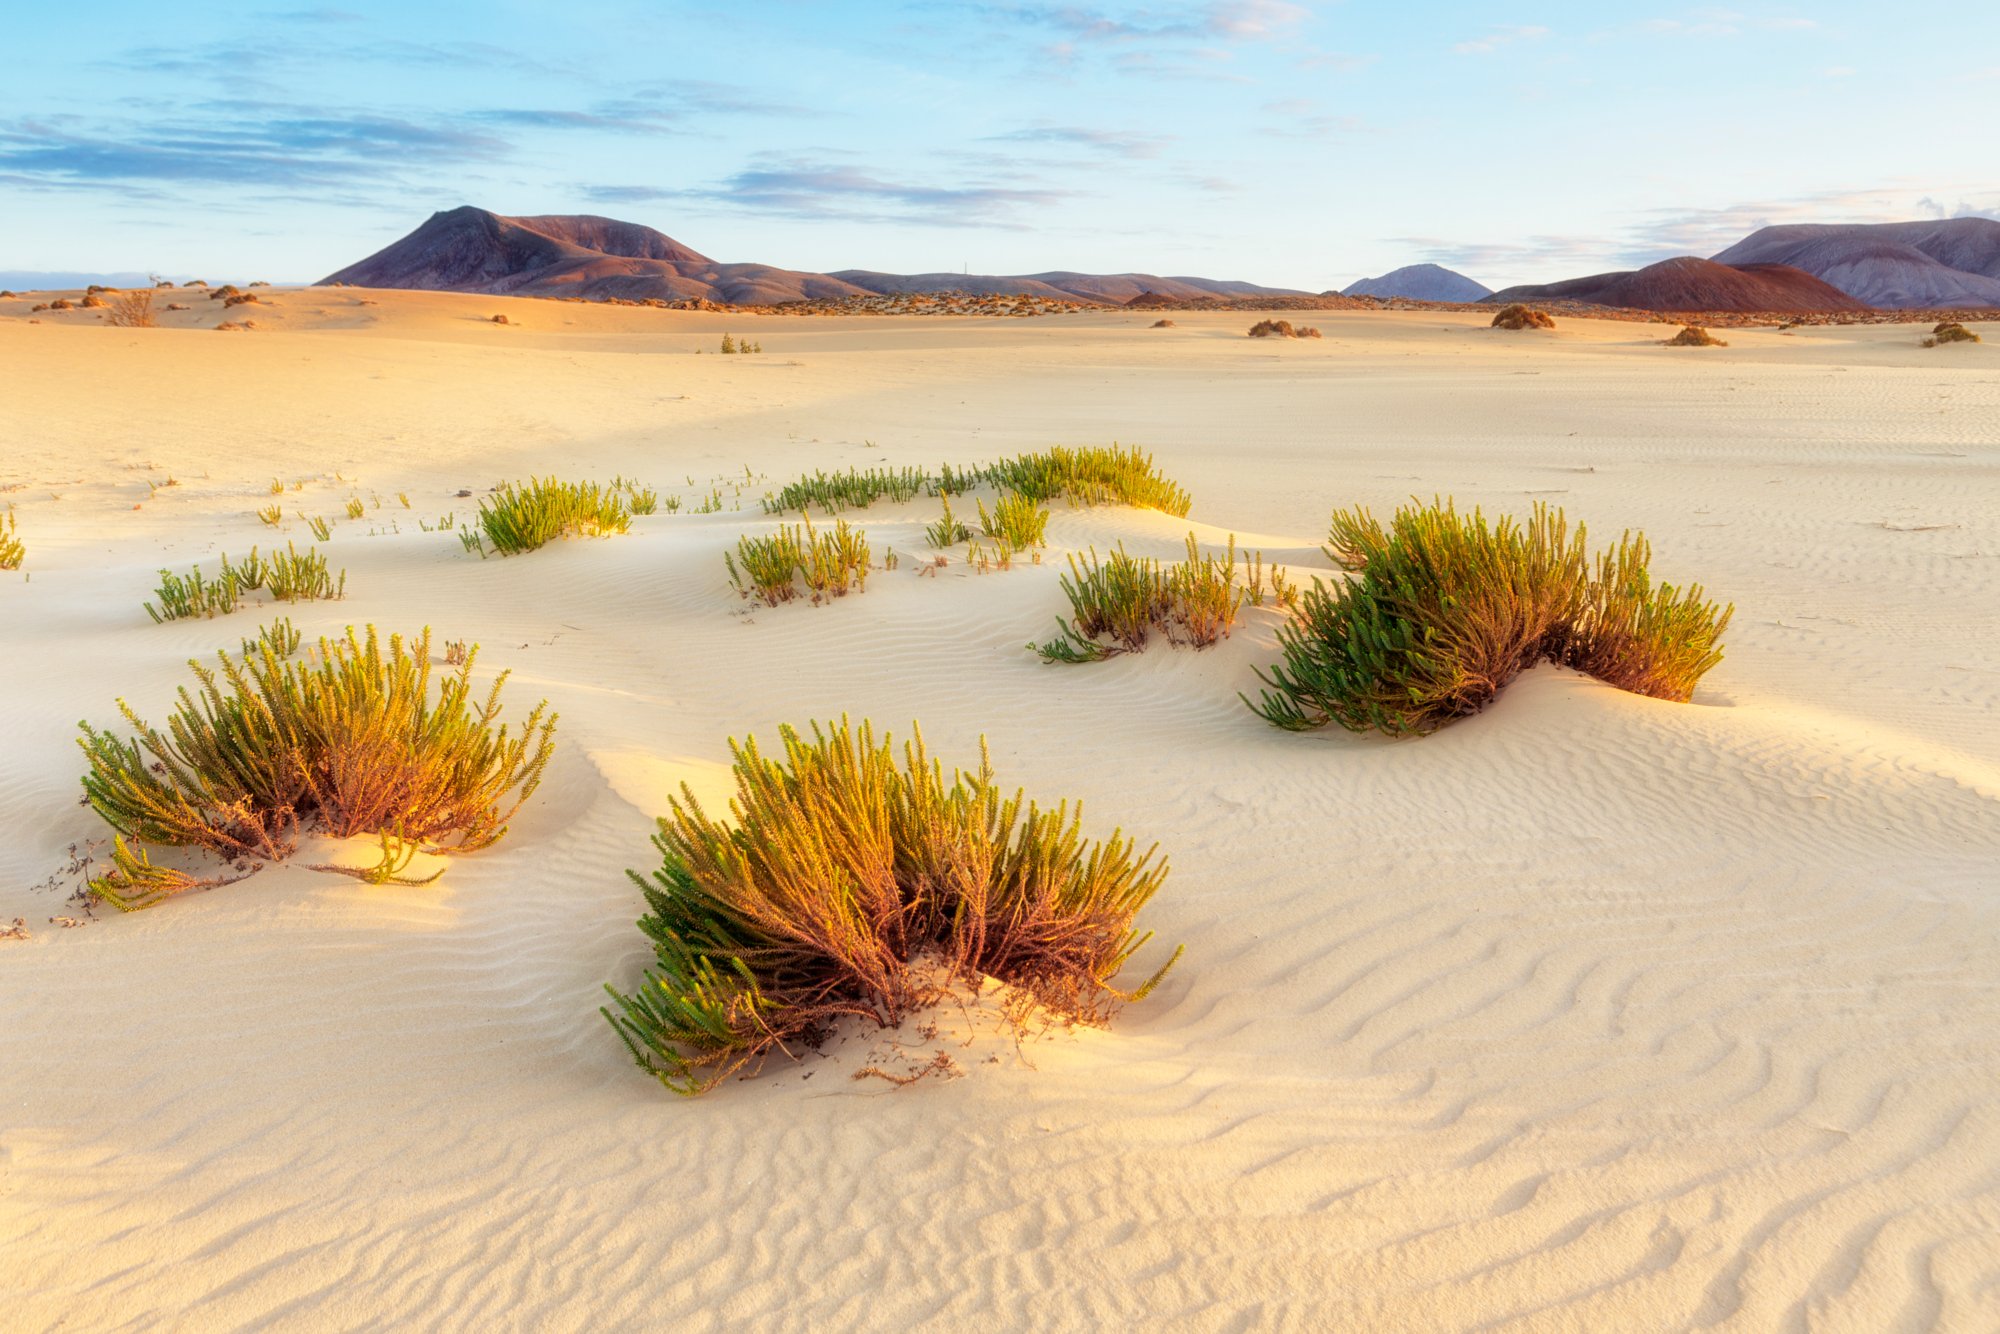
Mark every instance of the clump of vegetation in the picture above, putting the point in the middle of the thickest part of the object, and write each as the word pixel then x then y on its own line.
pixel 827 564
pixel 1693 335
pixel 288 576
pixel 1950 332
pixel 844 880
pixel 1164 324
pixel 352 741
pixel 92 301
pixel 12 553
pixel 854 489
pixel 1090 475
pixel 319 528
pixel 1280 329
pixel 1518 316
pixel 1014 520
pixel 133 310
pixel 355 509
pixel 1448 609
pixel 241 299
pixel 60 303
pixel 731 347
pixel 525 515
pixel 947 530
pixel 1116 604
pixel 501 319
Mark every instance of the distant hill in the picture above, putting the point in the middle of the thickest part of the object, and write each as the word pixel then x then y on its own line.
pixel 472 250
pixel 1691 284
pixel 1110 288
pixel 1950 262
pixel 1420 282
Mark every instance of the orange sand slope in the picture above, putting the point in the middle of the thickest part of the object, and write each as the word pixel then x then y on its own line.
pixel 1592 1012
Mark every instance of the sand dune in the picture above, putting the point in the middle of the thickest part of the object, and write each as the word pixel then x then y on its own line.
pixel 1592 1012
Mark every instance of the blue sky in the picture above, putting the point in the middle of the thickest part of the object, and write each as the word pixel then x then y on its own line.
pixel 1296 144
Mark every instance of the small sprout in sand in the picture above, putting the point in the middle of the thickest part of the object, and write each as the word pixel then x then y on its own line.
pixel 1518 316
pixel 272 515
pixel 319 527
pixel 355 508
pixel 847 885
pixel 1015 520
pixel 277 487
pixel 1693 335
pixel 946 531
pixel 1448 609
pixel 351 740
pixel 1950 332
pixel 404 496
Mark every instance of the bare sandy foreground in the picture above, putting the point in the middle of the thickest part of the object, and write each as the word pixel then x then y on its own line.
pixel 1590 1013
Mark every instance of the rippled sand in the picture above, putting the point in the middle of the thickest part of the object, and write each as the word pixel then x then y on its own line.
pixel 1590 1013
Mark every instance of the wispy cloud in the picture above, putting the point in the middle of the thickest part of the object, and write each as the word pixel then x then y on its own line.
pixel 1227 20
pixel 299 148
pixel 1498 39
pixel 818 190
pixel 1110 143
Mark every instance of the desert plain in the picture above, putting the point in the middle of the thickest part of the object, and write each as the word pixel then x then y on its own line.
pixel 1590 1012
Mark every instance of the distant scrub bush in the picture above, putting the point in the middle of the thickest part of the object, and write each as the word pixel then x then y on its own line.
pixel 1448 609
pixel 527 515
pixel 92 302
pixel 241 299
pixel 133 310
pixel 1694 335
pixel 1282 329
pixel 845 875
pixel 773 568
pixel 1518 316
pixel 853 489
pixel 12 553
pixel 351 741
pixel 1116 604
pixel 1950 332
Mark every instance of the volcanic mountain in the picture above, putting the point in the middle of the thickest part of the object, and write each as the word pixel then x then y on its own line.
pixel 472 250
pixel 1690 284
pixel 1420 282
pixel 1949 262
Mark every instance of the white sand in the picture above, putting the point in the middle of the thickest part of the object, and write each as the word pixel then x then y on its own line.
pixel 1590 1013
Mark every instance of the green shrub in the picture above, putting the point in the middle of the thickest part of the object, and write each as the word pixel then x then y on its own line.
pixel 1449 609
pixel 1117 604
pixel 841 876
pixel 1091 475
pixel 185 598
pixel 828 564
pixel 12 552
pixel 351 742
pixel 853 489
pixel 272 515
pixel 319 528
pixel 1015 520
pixel 525 515
pixel 289 576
